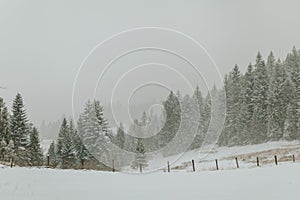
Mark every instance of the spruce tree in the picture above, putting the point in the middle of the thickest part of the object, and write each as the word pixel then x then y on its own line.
pixel 291 123
pixel 100 117
pixel 52 154
pixel 292 64
pixel 271 62
pixel 72 151
pixel 230 135
pixel 20 131
pixel 5 133
pixel 19 123
pixel 36 156
pixel 247 107
pixel 3 146
pixel 260 97
pixel 93 131
pixel 172 123
pixel 10 152
pixel 120 137
pixel 277 102
pixel 201 127
pixel 64 144
pixel 140 157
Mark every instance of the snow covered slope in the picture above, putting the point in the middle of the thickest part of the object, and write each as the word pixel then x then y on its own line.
pixel 226 156
pixel 276 183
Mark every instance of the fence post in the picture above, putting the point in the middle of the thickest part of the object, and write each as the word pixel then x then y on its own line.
pixel 237 162
pixel 168 166
pixel 113 165
pixel 82 163
pixel 276 162
pixel 141 168
pixel 217 166
pixel 257 161
pixel 48 160
pixel 294 158
pixel 193 164
pixel 11 162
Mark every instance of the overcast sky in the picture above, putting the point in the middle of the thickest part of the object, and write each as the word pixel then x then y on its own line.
pixel 42 43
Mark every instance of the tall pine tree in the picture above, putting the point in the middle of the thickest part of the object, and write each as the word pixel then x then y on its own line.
pixel 20 131
pixel 259 124
pixel 36 156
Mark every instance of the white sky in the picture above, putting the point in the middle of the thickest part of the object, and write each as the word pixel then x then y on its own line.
pixel 42 43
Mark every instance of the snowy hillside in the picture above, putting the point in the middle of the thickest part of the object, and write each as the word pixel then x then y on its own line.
pixel 226 156
pixel 276 183
pixel 249 182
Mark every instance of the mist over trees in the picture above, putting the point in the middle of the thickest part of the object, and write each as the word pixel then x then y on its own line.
pixel 262 105
pixel 49 130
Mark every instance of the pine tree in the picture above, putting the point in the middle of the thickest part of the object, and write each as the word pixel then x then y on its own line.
pixel 20 131
pixel 10 152
pixel 260 97
pixel 247 106
pixel 189 126
pixel 230 135
pixel 201 127
pixel 72 152
pixel 134 130
pixel 140 157
pixel 277 103
pixel 36 156
pixel 271 62
pixel 82 154
pixel 64 145
pixel 292 124
pixel 206 113
pixel 100 117
pixel 144 119
pixel 120 137
pixel 81 150
pixel 3 146
pixel 172 123
pixel 52 154
pixel 143 124
pixel 93 131
pixel 19 123
pixel 5 133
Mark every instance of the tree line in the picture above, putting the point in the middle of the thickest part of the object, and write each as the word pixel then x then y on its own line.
pixel 19 139
pixel 261 105
pixel 91 137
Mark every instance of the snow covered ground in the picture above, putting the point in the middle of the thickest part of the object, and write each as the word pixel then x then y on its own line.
pixel 276 183
pixel 248 182
pixel 226 156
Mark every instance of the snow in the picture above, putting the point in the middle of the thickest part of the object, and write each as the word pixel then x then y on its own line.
pixel 277 182
pixel 225 155
pixel 248 182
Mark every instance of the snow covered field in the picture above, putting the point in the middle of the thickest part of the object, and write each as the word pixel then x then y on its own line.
pixel 248 182
pixel 276 183
pixel 226 157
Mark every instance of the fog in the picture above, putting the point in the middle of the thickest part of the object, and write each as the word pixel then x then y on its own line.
pixel 43 43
